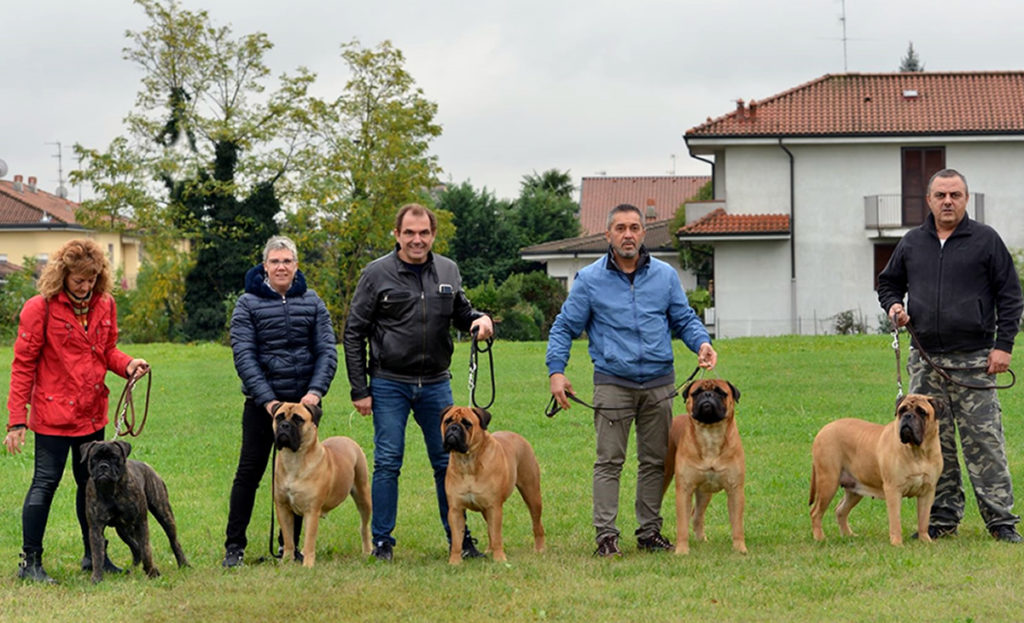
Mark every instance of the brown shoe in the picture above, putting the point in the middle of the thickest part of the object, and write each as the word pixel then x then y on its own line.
pixel 608 547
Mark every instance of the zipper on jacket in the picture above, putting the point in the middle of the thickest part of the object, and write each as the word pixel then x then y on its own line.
pixel 938 292
pixel 423 325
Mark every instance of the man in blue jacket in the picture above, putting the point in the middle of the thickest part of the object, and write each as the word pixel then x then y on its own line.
pixel 965 298
pixel 630 304
pixel 284 351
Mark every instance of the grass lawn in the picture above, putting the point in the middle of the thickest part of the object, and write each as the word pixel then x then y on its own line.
pixel 790 388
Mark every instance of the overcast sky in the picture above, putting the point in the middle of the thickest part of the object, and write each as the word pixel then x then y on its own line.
pixel 589 86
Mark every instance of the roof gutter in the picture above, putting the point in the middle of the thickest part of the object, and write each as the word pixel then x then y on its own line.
pixel 686 140
pixel 792 237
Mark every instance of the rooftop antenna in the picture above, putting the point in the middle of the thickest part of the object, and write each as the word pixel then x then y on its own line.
pixel 62 191
pixel 673 157
pixel 842 20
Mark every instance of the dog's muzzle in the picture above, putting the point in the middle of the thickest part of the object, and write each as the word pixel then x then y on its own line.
pixel 455 438
pixel 911 429
pixel 708 408
pixel 287 436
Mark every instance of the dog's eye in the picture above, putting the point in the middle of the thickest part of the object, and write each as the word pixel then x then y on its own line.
pixel 467 424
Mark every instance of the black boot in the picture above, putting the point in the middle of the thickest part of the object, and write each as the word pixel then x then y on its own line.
pixel 108 566
pixel 31 567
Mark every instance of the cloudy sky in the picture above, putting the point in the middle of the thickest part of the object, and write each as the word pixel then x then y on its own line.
pixel 589 86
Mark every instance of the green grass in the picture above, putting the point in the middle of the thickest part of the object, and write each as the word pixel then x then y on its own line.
pixel 790 387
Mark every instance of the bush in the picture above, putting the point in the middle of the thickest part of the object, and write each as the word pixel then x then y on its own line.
pixel 848 323
pixel 523 307
pixel 20 287
pixel 700 299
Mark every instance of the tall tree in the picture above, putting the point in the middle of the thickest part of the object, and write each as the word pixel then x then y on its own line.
pixel 368 154
pixel 203 154
pixel 485 244
pixel 542 215
pixel 552 180
pixel 910 62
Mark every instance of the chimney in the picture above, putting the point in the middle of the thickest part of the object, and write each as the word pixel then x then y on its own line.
pixel 752 109
pixel 17 183
pixel 652 212
pixel 31 184
pixel 741 110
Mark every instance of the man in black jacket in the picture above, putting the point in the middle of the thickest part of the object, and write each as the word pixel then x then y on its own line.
pixel 404 306
pixel 284 351
pixel 965 300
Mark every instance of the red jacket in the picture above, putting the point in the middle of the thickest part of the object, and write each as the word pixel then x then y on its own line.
pixel 64 382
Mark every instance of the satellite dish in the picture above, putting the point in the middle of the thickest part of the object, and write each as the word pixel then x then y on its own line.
pixel 3 168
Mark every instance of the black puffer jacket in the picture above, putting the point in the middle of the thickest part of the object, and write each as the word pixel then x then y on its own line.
pixel 284 346
pixel 963 296
pixel 406 318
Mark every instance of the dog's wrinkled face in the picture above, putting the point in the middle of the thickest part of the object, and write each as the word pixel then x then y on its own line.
pixel 106 461
pixel 711 400
pixel 292 422
pixel 459 425
pixel 914 411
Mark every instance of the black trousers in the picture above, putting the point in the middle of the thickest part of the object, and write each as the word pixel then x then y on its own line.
pixel 51 456
pixel 257 442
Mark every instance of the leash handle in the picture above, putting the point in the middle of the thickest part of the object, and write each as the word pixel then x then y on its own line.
pixel 474 354
pixel 126 405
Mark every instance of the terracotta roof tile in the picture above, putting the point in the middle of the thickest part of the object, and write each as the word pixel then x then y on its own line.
pixel 718 222
pixel 27 206
pixel 665 193
pixel 855 104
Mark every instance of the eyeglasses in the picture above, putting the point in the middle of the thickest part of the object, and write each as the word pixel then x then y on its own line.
pixel 276 262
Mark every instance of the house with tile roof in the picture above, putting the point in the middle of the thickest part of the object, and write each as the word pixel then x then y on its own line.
pixel 814 186
pixel 658 196
pixel 34 223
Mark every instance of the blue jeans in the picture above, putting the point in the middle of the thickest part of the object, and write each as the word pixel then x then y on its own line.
pixel 392 402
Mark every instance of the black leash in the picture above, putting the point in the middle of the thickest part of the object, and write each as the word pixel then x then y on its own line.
pixel 474 355
pixel 273 473
pixel 553 406
pixel 126 405
pixel 942 371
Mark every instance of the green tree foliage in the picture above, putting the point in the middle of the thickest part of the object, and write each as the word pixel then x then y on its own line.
pixel 205 149
pixel 485 245
pixel 367 155
pixel 20 287
pixel 541 215
pixel 524 306
pixel 910 61
pixel 552 180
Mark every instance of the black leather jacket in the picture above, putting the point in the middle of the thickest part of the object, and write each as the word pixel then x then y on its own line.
pixel 962 296
pixel 406 318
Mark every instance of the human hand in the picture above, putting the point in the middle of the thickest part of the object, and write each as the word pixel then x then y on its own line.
pixel 484 326
pixel 311 400
pixel 364 405
pixel 898 316
pixel 136 368
pixel 707 358
pixel 998 361
pixel 15 439
pixel 560 386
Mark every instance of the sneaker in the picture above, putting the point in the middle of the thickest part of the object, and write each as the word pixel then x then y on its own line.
pixel 653 543
pixel 384 551
pixel 1007 534
pixel 234 558
pixel 608 547
pixel 938 532
pixel 469 549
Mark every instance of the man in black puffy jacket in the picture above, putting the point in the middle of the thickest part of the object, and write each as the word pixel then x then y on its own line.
pixel 404 306
pixel 284 351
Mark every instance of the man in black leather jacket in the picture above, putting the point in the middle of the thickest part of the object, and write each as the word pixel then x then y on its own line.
pixel 965 299
pixel 404 306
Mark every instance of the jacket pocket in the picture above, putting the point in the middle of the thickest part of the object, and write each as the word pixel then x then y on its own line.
pixel 395 304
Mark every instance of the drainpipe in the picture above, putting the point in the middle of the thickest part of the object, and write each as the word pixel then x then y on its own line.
pixel 792 238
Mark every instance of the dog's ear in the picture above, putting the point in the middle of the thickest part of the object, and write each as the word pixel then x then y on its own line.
pixel 277 408
pixel 124 447
pixel 735 392
pixel 899 401
pixel 316 413
pixel 86 450
pixel 937 404
pixel 484 416
pixel 686 390
pixel 445 411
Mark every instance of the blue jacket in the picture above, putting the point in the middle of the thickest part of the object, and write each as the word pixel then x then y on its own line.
pixel 283 345
pixel 630 325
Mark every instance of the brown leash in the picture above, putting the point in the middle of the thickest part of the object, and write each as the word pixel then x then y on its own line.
pixel 553 406
pixel 125 412
pixel 942 371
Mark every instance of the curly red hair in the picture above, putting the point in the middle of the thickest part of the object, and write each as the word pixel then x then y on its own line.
pixel 79 256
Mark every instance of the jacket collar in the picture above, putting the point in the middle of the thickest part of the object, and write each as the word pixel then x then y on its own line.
pixel 428 265
pixel 643 259
pixel 964 228
pixel 256 283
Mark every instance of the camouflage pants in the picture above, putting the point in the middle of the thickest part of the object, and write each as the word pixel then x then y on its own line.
pixel 977 416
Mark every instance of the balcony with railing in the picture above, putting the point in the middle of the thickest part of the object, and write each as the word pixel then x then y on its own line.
pixel 892 215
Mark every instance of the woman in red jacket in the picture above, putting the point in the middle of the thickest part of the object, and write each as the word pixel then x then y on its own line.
pixel 67 340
